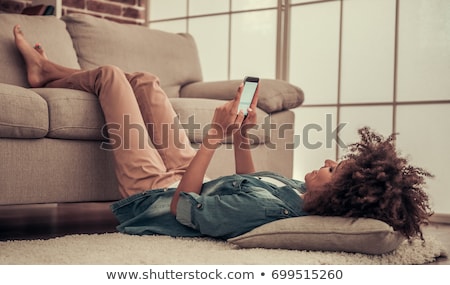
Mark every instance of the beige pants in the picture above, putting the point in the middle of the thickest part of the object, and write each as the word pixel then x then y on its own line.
pixel 137 111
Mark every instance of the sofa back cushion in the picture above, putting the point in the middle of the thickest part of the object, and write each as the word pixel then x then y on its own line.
pixel 172 57
pixel 46 30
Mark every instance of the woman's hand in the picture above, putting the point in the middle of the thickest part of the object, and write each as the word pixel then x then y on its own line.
pixel 250 120
pixel 226 121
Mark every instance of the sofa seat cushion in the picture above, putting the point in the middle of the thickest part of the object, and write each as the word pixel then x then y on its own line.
pixel 73 114
pixel 23 113
pixel 172 57
pixel 49 31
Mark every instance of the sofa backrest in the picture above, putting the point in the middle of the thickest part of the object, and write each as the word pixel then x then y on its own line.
pixel 172 57
pixel 46 30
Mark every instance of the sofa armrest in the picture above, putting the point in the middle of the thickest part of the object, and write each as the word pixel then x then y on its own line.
pixel 274 95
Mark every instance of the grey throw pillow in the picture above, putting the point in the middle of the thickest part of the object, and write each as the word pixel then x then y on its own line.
pixel 360 235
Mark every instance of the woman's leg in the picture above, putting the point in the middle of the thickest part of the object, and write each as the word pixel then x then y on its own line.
pixel 166 133
pixel 138 165
pixel 39 69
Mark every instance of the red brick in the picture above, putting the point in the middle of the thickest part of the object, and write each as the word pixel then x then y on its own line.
pixel 66 11
pixel 126 2
pixel 133 13
pixel 104 7
pixel 79 4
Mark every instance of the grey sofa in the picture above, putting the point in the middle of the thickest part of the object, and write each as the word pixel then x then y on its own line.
pixel 50 138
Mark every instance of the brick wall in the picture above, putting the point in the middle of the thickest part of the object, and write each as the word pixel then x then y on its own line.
pixel 123 11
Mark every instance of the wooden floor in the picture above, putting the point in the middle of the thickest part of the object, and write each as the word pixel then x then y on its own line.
pixel 53 220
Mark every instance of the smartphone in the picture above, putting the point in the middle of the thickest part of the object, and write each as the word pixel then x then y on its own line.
pixel 250 85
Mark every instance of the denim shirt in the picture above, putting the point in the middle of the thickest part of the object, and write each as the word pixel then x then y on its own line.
pixel 227 207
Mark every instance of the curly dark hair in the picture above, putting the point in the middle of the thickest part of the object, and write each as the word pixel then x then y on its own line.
pixel 375 182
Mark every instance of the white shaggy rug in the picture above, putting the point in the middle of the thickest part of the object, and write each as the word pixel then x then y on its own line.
pixel 121 249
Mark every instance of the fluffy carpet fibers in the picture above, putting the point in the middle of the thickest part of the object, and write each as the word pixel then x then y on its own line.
pixel 118 249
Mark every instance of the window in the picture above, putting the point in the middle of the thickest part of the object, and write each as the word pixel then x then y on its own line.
pixel 383 63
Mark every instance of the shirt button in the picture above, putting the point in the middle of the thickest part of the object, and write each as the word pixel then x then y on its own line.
pixel 199 206
pixel 286 212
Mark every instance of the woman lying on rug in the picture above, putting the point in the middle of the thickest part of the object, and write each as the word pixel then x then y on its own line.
pixel 164 187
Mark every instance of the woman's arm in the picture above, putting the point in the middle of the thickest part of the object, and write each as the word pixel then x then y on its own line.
pixel 225 122
pixel 192 180
pixel 242 152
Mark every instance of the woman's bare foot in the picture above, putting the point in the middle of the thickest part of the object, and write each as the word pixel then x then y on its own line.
pixel 35 59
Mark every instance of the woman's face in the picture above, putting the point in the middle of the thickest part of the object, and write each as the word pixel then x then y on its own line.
pixel 316 179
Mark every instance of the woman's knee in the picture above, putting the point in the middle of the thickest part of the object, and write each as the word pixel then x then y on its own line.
pixel 108 75
pixel 142 77
pixel 109 71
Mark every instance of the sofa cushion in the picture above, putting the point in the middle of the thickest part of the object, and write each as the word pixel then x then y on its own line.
pixel 48 31
pixel 23 113
pixel 172 57
pixel 73 114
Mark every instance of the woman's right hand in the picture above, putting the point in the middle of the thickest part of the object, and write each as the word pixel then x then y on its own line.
pixel 226 120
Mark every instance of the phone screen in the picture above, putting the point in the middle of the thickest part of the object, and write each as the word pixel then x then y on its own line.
pixel 247 96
